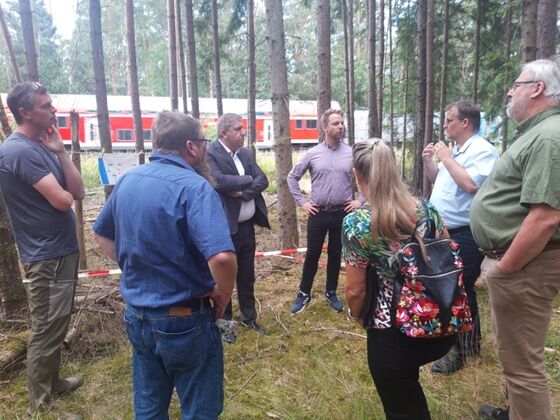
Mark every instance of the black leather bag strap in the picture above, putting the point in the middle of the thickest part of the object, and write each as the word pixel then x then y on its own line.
pixel 370 302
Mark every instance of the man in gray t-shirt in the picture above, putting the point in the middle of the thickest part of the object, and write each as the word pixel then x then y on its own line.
pixel 39 183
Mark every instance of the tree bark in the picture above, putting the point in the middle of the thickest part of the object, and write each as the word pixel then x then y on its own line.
pixel 420 123
pixel 429 129
pixel 547 31
pixel 100 83
pixel 381 84
pixel 443 82
pixel 391 84
pixel 373 126
pixel 529 30
pixel 191 58
pixel 324 94
pixel 6 128
pixel 507 62
pixel 217 71
pixel 251 78
pixel 10 46
pixel 78 204
pixel 347 6
pixel 29 40
pixel 173 86
pixel 12 293
pixel 182 67
pixel 133 81
pixel 479 17
pixel 281 120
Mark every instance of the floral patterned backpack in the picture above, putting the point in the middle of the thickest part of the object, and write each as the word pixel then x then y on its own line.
pixel 429 298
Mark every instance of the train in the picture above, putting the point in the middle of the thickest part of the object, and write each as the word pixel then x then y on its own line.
pixel 303 119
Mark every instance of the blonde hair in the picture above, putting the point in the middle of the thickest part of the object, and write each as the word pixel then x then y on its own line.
pixel 393 209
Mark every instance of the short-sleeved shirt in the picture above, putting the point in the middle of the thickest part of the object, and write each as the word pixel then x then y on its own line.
pixel 360 249
pixel 331 175
pixel 166 221
pixel 41 231
pixel 477 157
pixel 528 173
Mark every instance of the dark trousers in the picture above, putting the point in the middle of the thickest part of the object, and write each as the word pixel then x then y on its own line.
pixel 394 363
pixel 469 342
pixel 244 243
pixel 317 228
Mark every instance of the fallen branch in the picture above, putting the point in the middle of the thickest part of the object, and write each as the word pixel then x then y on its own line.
pixel 353 334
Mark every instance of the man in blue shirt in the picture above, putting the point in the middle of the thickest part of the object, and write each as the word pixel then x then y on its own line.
pixel 456 179
pixel 165 226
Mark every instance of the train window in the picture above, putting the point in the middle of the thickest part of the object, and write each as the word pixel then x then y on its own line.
pixel 61 122
pixel 311 124
pixel 299 124
pixel 124 135
pixel 147 134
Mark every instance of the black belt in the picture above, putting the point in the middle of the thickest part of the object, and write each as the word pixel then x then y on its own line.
pixel 458 230
pixel 331 208
pixel 189 306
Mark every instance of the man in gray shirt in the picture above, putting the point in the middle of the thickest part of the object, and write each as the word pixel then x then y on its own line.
pixel 330 166
pixel 39 183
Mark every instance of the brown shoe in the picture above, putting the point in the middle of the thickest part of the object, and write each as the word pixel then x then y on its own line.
pixel 63 386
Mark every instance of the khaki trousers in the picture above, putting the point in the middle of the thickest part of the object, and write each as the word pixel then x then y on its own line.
pixel 50 291
pixel 521 312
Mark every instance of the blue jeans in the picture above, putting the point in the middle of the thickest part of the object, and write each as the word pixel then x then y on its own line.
pixel 181 352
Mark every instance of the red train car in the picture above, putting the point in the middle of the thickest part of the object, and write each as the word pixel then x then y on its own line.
pixel 303 119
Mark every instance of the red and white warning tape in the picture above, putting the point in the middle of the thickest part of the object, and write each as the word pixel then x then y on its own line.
pixel 103 273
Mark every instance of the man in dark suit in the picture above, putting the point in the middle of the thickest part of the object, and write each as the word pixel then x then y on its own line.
pixel 240 182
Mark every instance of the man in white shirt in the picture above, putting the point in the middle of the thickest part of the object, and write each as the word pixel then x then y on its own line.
pixel 240 182
pixel 461 171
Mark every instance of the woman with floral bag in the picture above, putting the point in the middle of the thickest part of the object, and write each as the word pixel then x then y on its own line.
pixel 373 236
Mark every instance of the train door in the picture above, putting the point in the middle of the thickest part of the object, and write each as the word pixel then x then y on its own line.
pixel 91 133
pixel 268 132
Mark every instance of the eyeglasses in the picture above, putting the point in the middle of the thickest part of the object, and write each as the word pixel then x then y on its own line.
pixel 523 82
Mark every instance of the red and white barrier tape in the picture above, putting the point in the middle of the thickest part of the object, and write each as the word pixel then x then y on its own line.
pixel 103 273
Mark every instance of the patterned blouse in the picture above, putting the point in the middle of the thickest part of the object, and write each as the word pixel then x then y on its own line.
pixel 358 248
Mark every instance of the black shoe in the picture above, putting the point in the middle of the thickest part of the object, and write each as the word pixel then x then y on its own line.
pixel 448 364
pixel 488 412
pixel 254 326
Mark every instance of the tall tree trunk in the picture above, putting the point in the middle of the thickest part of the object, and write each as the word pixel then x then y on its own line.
pixel 251 78
pixel 6 128
pixel 347 13
pixel 171 30
pixel 529 30
pixel 443 82
pixel 29 40
pixel 10 46
pixel 429 133
pixel 420 123
pixel 381 85
pixel 479 17
pixel 78 204
pixel 405 118
pixel 133 80
pixel 323 12
pixel 12 293
pixel 217 71
pixel 281 121
pixel 507 62
pixel 547 31
pixel 100 83
pixel 373 126
pixel 391 85
pixel 191 60
pixel 181 59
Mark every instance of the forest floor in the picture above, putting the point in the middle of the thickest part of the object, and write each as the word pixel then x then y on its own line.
pixel 312 365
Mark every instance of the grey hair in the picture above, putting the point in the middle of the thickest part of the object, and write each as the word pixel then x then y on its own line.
pixel 548 72
pixel 226 121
